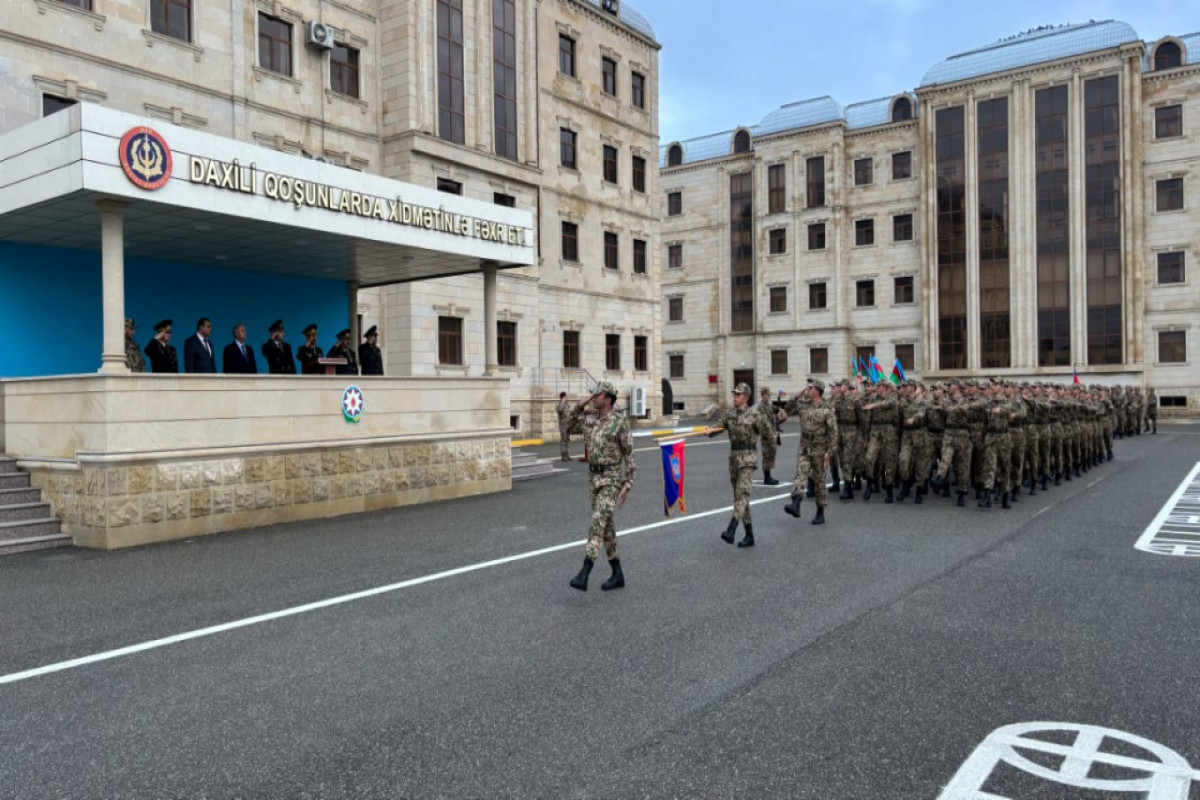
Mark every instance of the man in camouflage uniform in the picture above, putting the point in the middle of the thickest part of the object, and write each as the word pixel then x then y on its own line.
pixel 884 411
pixel 997 449
pixel 769 443
pixel 818 443
pixel 612 468
pixel 847 407
pixel 133 352
pixel 563 409
pixel 957 446
pixel 914 441
pixel 745 426
pixel 1151 416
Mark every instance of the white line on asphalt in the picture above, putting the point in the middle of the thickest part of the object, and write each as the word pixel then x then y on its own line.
pixel 346 598
pixel 1145 541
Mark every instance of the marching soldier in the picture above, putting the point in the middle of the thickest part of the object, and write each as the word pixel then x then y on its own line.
pixel 342 349
pixel 309 353
pixel 277 352
pixel 1151 416
pixel 133 353
pixel 745 427
pixel 162 355
pixel 369 354
pixel 884 412
pixel 847 407
pixel 611 466
pixel 818 442
pixel 563 410
pixel 769 442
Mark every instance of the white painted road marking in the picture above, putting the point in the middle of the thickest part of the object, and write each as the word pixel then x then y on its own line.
pixel 1179 518
pixel 1162 775
pixel 346 598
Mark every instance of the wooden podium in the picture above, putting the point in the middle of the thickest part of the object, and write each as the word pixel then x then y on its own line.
pixel 331 364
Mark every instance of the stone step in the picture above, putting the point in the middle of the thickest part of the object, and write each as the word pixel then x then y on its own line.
pixel 30 494
pixel 12 546
pixel 540 469
pixel 14 480
pixel 8 464
pixel 521 459
pixel 15 512
pixel 26 528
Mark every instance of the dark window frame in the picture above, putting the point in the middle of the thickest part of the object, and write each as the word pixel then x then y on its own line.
pixel 1168 121
pixel 906 354
pixel 570 241
pixel 903 290
pixel 637 90
pixel 449 186
pixel 864 293
pixel 276 44
pixel 1167 55
pixel 902 109
pixel 675 365
pixel 638 176
pixel 1172 347
pixel 504 78
pixel 611 164
pixel 864 232
pixel 506 343
pixel 1173 265
pixel 1168 195
pixel 777 299
pixel 608 76
pixel 165 14
pixel 674 204
pixel 52 104
pixel 344 70
pixel 902 227
pixel 818 296
pixel 568 148
pixel 902 165
pixel 675 256
pixel 814 181
pixel 818 360
pixel 776 188
pixel 675 309
pixel 639 257
pixel 816 236
pixel 612 352
pixel 674 155
pixel 450 341
pixel 451 82
pixel 777 241
pixel 566 55
pixel 779 361
pixel 641 353
pixel 612 250
pixel 864 171
pixel 571 349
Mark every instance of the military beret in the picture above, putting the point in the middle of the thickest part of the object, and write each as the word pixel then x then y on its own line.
pixel 742 388
pixel 162 325
pixel 312 328
pixel 277 325
pixel 371 331
pixel 130 322
pixel 344 333
pixel 605 387
pixel 816 384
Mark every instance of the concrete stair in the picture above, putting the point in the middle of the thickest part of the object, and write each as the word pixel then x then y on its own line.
pixel 25 520
pixel 528 467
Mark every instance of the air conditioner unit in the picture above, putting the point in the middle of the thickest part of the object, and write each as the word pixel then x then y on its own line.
pixel 318 35
pixel 637 401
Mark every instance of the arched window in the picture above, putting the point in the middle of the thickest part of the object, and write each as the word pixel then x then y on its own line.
pixel 674 155
pixel 901 109
pixel 1167 55
pixel 741 142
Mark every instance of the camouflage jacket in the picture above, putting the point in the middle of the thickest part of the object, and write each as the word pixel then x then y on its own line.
pixel 745 427
pixel 133 357
pixel 563 409
pixel 818 428
pixel 609 447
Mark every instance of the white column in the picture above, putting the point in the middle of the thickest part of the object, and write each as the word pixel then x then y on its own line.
pixel 1077 220
pixel 492 367
pixel 352 310
pixel 112 254
pixel 971 206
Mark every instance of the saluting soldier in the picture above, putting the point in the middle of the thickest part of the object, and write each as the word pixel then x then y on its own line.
pixel 162 355
pixel 745 427
pixel 277 352
pixel 818 442
pixel 309 353
pixel 369 354
pixel 342 349
pixel 133 352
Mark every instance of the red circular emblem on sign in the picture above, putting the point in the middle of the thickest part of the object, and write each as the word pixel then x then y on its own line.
pixel 145 157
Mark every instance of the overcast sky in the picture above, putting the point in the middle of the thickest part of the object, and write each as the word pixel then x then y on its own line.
pixel 726 63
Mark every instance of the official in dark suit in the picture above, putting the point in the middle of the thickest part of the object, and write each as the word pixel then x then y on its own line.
pixel 343 349
pixel 238 358
pixel 277 352
pixel 198 349
pixel 309 354
pixel 369 354
pixel 159 350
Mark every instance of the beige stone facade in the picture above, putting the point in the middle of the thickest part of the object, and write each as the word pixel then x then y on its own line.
pixel 1154 297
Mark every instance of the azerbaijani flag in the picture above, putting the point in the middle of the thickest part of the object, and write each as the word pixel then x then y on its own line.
pixel 672 458
pixel 876 369
pixel 1075 376
pixel 866 369
pixel 898 375
pixel 854 369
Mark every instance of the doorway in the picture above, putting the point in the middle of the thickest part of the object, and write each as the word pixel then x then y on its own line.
pixel 744 376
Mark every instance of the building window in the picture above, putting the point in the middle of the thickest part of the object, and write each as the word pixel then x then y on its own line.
pixel 1172 347
pixel 741 252
pixel 776 188
pixel 674 309
pixel 274 45
pixel 506 200
pixel 1170 267
pixel 610 164
pixel 778 299
pixel 449 187
pixel 779 362
pixel 816 236
pixel 778 241
pixel 741 142
pixel 674 155
pixel 504 76
pixel 863 171
pixel 639 174
pixel 570 241
pixel 906 355
pixel 902 228
pixel 816 296
pixel 641 351
pixel 52 104
pixel 674 256
pixel 566 147
pixel 608 68
pixel 170 18
pixel 951 233
pixel 676 366
pixel 674 204
pixel 343 70
pixel 865 354
pixel 612 352
pixel 611 251
pixel 1172 401
pixel 571 349
pixel 637 89
pixel 818 360
pixel 450 335
pixel 992 188
pixel 506 343
pixel 901 166
pixel 1168 122
pixel 86 5
pixel 902 290
pixel 1102 217
pixel 1169 195
pixel 566 55
pixel 1167 56
pixel 639 256
pixel 814 175
pixel 451 120
pixel 864 293
pixel 864 232
pixel 1053 227
pixel 902 109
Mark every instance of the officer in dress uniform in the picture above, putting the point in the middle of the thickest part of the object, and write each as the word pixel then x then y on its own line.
pixel 277 352
pixel 343 350
pixel 369 354
pixel 133 352
pixel 309 352
pixel 159 350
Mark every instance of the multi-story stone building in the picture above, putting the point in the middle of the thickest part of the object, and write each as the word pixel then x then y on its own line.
pixel 1027 212
pixel 547 106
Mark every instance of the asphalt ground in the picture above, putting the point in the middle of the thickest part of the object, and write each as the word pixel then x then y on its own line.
pixel 863 659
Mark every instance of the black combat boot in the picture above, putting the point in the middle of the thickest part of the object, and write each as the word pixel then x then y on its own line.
pixel 1016 490
pixel 936 481
pixel 946 490
pixel 834 475
pixel 617 579
pixel 905 491
pixel 768 480
pixel 867 491
pixel 748 539
pixel 857 483
pixel 1045 482
pixel 793 507
pixel 847 491
pixel 1013 495
pixel 1004 501
pixel 1058 479
pixel 887 493
pixel 730 531
pixel 819 519
pixel 1067 474
pixel 580 581
pixel 985 501
pixel 1032 486
pixel 812 489
pixel 962 499
pixel 919 497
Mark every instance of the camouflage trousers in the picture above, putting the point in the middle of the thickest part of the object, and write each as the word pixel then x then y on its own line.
pixel 956 454
pixel 997 454
pixel 1033 450
pixel 881 455
pixel 564 440
pixel 916 455
pixel 1020 448
pixel 850 452
pixel 1106 432
pixel 1055 460
pixel 810 463
pixel 602 530
pixel 769 451
pixel 740 477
